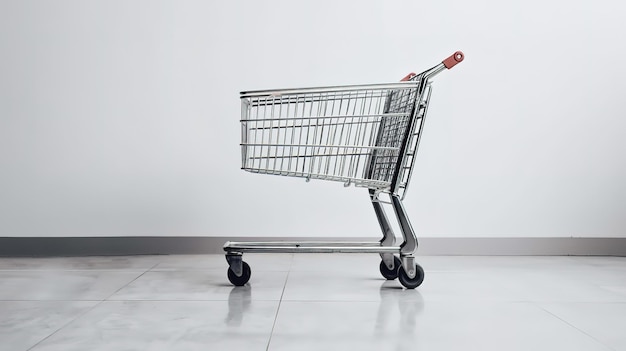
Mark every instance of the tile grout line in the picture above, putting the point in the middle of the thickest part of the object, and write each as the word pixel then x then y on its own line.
pixel 575 327
pixel 269 341
pixel 99 302
pixel 132 281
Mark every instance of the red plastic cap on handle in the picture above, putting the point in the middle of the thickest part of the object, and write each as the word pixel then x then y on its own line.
pixel 408 77
pixel 453 60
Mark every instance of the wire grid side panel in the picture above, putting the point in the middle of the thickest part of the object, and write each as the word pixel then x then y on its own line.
pixel 392 133
pixel 316 135
pixel 414 138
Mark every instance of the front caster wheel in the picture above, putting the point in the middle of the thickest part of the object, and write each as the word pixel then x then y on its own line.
pixel 390 274
pixel 411 283
pixel 245 276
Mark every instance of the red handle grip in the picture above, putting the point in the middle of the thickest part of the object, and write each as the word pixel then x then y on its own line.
pixel 408 77
pixel 453 59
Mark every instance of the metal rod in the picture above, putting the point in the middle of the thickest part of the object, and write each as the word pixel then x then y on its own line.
pixel 239 244
pixel 324 146
pixel 266 248
pixel 279 92
pixel 409 246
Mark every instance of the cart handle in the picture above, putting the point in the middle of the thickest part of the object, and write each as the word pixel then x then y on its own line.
pixel 448 63
pixel 453 59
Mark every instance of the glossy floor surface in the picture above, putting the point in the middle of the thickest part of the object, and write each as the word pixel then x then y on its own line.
pixel 311 302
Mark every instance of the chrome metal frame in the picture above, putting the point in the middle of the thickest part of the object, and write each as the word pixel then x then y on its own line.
pixel 366 135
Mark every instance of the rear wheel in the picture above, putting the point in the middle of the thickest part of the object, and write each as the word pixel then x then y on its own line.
pixel 390 274
pixel 243 279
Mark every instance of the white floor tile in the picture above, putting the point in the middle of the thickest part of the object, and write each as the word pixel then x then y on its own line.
pixel 135 263
pixel 25 323
pixel 167 326
pixel 605 322
pixel 199 285
pixel 397 324
pixel 62 285
pixel 258 262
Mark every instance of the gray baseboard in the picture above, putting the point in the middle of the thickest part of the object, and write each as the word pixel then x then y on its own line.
pixel 105 246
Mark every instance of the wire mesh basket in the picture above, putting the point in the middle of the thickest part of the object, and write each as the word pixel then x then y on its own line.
pixel 351 134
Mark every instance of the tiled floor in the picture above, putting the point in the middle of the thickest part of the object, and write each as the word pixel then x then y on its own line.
pixel 311 302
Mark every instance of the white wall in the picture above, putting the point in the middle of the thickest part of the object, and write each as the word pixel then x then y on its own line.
pixel 121 117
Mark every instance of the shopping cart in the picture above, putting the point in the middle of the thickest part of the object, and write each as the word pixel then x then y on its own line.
pixel 364 135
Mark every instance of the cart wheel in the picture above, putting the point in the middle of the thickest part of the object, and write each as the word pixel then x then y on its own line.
pixel 245 276
pixel 411 283
pixel 390 274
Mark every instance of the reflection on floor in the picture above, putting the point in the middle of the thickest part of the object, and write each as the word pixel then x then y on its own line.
pixel 311 302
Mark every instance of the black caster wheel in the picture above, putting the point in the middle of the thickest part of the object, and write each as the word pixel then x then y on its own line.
pixel 386 272
pixel 411 283
pixel 245 276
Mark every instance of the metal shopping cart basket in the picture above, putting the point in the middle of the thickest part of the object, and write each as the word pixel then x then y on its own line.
pixel 365 135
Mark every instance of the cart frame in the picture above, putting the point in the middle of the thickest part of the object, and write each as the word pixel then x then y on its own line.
pixel 381 160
